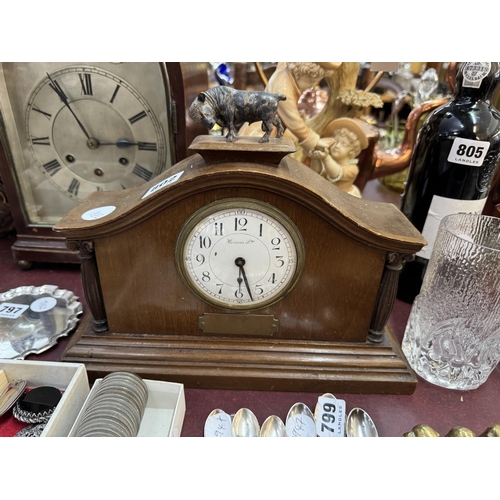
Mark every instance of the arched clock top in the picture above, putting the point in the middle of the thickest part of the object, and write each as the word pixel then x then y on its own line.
pixel 262 168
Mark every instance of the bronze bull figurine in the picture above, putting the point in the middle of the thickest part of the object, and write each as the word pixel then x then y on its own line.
pixel 229 108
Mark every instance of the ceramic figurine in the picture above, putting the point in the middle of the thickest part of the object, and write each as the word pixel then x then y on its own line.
pixel 344 98
pixel 337 162
pixel 292 79
pixel 228 107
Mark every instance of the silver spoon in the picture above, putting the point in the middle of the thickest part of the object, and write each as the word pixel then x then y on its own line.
pixel 300 421
pixel 273 426
pixel 326 395
pixel 360 424
pixel 245 424
pixel 218 424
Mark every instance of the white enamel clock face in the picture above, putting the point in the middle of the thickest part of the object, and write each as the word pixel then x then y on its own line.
pixel 240 254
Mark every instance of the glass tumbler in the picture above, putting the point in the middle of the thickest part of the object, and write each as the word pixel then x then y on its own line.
pixel 452 338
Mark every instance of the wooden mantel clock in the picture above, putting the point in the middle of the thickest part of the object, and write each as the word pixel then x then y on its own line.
pixel 241 268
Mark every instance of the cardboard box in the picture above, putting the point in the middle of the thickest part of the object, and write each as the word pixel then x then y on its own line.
pixel 164 413
pixel 68 377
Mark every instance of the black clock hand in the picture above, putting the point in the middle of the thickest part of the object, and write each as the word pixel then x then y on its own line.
pixel 55 87
pixel 240 262
pixel 246 283
pixel 120 143
pixel 239 280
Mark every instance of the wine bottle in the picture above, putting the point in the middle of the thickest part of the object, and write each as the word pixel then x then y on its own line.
pixel 455 157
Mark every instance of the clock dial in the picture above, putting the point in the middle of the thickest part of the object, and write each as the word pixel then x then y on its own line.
pixel 76 128
pixel 89 130
pixel 240 254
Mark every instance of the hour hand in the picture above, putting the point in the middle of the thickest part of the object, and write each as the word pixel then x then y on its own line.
pixel 120 143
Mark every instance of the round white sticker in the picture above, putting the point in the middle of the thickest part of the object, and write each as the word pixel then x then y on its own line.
pixel 300 425
pixel 98 213
pixel 218 425
pixel 43 304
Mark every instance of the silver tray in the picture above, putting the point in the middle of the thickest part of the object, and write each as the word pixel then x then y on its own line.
pixel 33 318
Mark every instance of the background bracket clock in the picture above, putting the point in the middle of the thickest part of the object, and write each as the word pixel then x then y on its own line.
pixel 241 268
pixel 69 129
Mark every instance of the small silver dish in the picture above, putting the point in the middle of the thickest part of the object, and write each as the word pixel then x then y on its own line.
pixel 32 319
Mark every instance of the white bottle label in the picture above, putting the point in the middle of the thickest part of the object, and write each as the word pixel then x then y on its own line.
pixel 468 152
pixel 474 73
pixel 441 207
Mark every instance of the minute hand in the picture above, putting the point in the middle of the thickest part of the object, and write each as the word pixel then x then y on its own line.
pixel 55 87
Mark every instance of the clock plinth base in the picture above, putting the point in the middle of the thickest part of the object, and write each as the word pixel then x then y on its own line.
pixel 211 362
pixel 43 249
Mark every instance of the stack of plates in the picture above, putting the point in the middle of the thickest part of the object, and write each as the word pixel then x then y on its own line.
pixel 116 407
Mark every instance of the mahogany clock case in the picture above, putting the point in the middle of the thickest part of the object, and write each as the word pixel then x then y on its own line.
pixel 315 336
pixel 36 241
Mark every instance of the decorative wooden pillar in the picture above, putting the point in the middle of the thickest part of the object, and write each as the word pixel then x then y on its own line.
pixel 90 282
pixel 386 295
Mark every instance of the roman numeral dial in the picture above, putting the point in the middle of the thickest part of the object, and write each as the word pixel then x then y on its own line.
pixel 40 141
pixel 90 130
pixel 86 83
pixel 137 117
